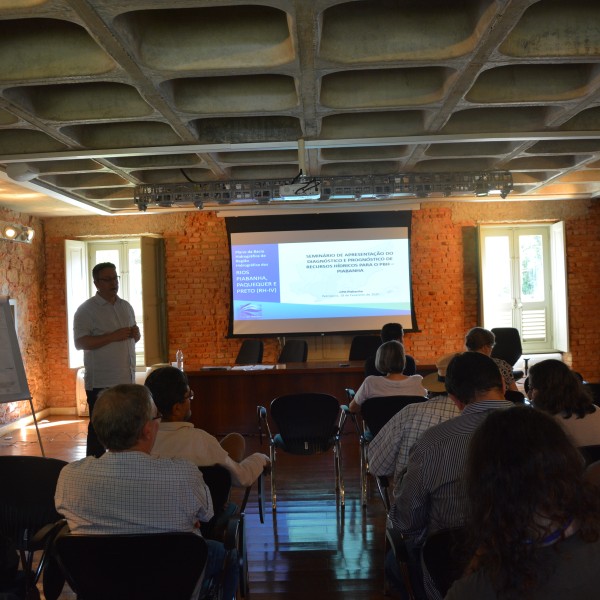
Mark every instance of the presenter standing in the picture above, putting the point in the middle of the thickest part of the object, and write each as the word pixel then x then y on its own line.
pixel 104 328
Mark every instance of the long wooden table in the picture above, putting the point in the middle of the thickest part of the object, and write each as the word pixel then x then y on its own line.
pixel 226 400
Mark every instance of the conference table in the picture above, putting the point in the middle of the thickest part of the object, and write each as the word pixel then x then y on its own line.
pixel 225 399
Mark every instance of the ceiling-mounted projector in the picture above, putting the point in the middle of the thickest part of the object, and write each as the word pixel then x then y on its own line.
pixel 300 191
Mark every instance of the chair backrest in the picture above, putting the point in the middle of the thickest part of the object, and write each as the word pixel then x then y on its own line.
pixel 377 411
pixel 445 557
pixel 218 480
pixel 294 351
pixel 508 344
pixel 251 353
pixel 307 423
pixel 27 496
pixel 132 567
pixel 364 346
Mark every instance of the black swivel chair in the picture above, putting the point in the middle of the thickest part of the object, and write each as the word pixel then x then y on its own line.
pixel 364 346
pixel 308 423
pixel 27 513
pixel 508 347
pixel 251 353
pixel 132 567
pixel 293 351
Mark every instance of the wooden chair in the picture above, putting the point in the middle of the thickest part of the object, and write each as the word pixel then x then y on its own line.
pixel 133 567
pixel 308 423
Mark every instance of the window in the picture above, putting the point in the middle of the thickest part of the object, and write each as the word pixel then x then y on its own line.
pixel 523 283
pixel 140 264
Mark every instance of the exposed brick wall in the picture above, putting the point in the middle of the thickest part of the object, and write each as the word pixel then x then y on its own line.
pixel 583 282
pixel 22 277
pixel 444 258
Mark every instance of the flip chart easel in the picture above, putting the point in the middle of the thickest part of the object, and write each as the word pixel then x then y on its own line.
pixel 13 381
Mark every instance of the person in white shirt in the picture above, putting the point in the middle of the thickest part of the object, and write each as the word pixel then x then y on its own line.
pixel 390 360
pixel 178 438
pixel 104 328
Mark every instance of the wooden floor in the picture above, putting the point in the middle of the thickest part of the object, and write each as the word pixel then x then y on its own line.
pixel 308 549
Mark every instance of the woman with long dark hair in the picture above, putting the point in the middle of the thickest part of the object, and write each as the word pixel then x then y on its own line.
pixel 554 388
pixel 534 521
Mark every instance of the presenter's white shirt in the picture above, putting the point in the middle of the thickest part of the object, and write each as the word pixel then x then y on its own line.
pixel 114 363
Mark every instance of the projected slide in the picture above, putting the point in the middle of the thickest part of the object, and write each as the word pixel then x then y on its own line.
pixel 325 277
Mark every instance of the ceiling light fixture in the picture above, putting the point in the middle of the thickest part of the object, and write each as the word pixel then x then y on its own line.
pixel 322 189
pixel 16 233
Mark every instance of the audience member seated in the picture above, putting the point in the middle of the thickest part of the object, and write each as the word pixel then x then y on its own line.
pixel 534 521
pixel 482 340
pixel 389 450
pixel 431 496
pixel 390 360
pixel 129 491
pixel 435 383
pixel 556 389
pixel 178 438
pixel 390 332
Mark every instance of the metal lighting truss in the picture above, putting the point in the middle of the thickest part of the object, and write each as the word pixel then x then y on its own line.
pixel 323 189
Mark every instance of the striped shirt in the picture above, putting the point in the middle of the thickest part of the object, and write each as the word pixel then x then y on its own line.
pixel 432 494
pixel 388 452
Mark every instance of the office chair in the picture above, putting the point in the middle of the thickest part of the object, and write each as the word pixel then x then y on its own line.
pixel 27 513
pixel 133 567
pixel 250 353
pixel 293 351
pixel 374 414
pixel 308 423
pixel 363 346
pixel 508 347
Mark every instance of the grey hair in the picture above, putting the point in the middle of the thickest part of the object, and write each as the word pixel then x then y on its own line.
pixel 478 337
pixel 120 414
pixel 390 357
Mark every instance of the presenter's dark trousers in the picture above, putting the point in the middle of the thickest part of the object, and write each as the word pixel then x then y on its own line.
pixel 94 447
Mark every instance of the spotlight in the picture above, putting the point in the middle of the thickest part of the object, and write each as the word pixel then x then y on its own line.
pixel 199 204
pixel 16 233
pixel 10 232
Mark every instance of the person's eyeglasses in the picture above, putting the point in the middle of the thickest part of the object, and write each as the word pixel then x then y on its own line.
pixel 109 279
pixel 158 416
pixel 189 396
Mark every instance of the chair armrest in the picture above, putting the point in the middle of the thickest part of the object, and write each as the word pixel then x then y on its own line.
pixel 350 393
pixel 261 413
pixel 353 417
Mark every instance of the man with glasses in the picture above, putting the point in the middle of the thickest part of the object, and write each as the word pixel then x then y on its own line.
pixel 129 491
pixel 104 328
pixel 178 438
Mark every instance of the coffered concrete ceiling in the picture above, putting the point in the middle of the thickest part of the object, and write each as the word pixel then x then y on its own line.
pixel 97 97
